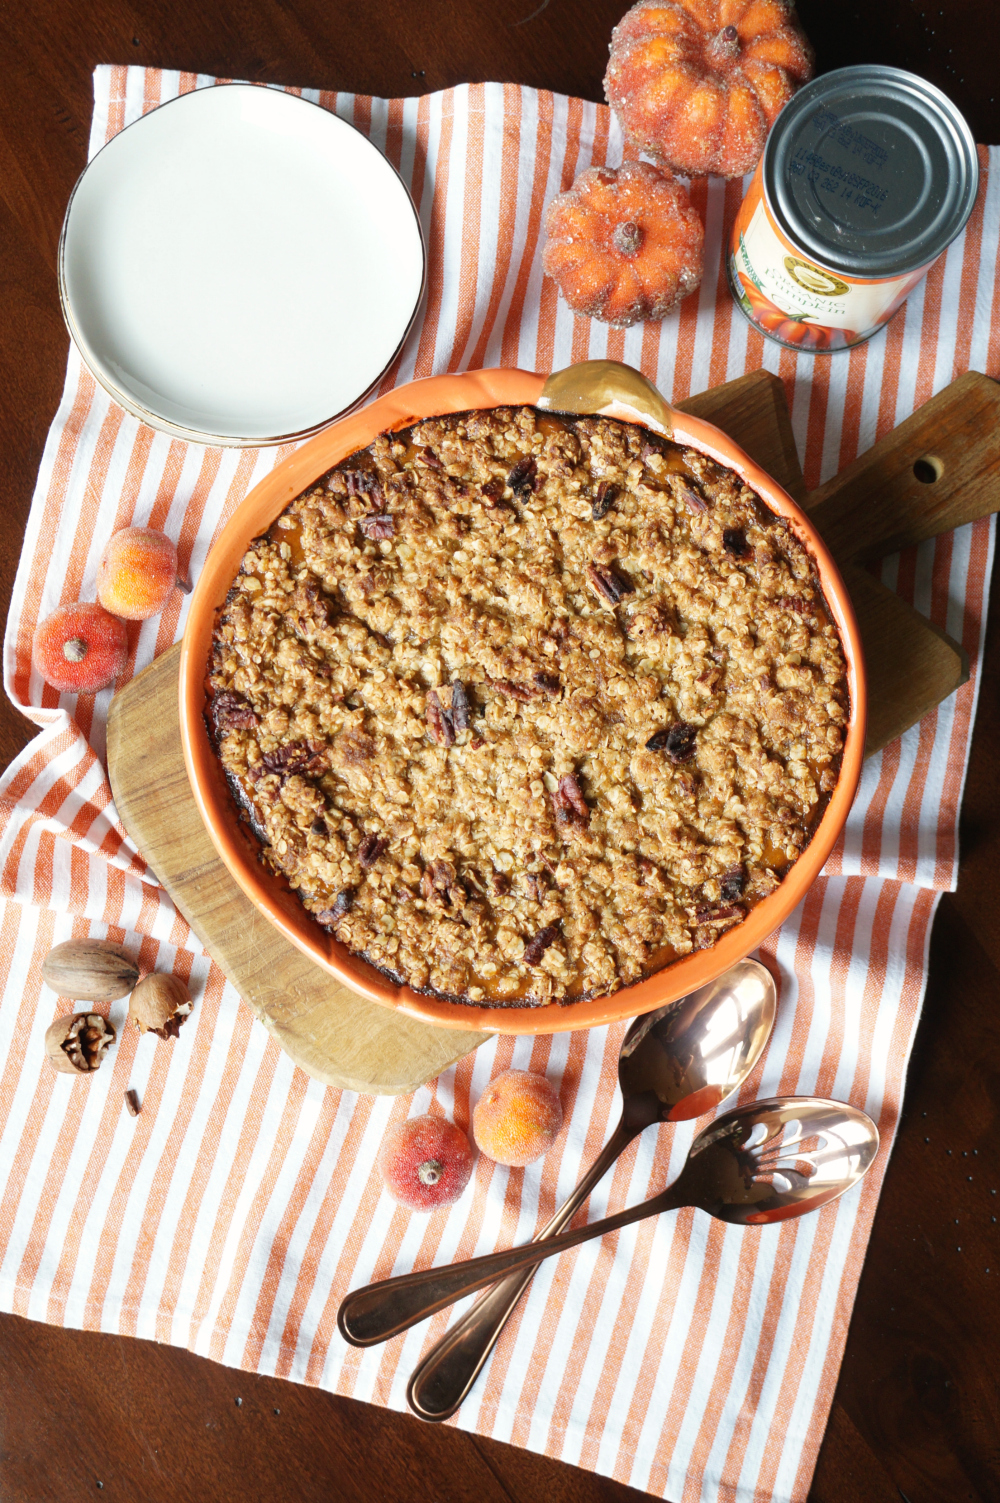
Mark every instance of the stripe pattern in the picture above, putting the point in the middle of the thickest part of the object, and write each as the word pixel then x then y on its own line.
pixel 693 1360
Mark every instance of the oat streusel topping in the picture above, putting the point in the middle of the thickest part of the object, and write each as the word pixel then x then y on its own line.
pixel 526 708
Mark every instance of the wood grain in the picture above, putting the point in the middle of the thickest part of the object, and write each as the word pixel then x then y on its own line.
pixel 913 1415
pixel 879 504
pixel 912 666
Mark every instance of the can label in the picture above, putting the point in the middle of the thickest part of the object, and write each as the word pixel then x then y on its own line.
pixel 794 300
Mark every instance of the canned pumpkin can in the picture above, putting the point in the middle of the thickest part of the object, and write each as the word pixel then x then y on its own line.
pixel 867 176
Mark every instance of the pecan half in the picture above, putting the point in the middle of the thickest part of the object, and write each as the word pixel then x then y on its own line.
pixel 604 499
pixel 231 711
pixel 548 683
pixel 342 903
pixel 536 948
pixel 678 741
pixel 734 541
pixel 731 884
pixel 459 713
pixel 709 915
pixel 569 803
pixel 363 483
pixel 536 885
pixel 294 757
pixel 500 883
pixel 430 458
pixel 439 722
pixel 378 526
pixel 693 501
pixel 523 477
pixel 609 584
pixel 798 604
pixel 440 883
pixel 492 491
pixel 521 692
pixel 369 851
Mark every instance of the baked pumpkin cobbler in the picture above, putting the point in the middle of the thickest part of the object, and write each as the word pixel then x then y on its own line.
pixel 524 708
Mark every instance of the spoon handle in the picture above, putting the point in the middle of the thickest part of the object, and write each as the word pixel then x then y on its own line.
pixel 381 1310
pixel 440 1383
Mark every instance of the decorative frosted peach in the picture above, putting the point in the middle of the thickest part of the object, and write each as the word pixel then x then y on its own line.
pixel 80 648
pixel 517 1118
pixel 138 573
pixel 425 1162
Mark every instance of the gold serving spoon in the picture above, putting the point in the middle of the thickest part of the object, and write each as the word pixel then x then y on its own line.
pixel 752 1166
pixel 609 388
pixel 675 1064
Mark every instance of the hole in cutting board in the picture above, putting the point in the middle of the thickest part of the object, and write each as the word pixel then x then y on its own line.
pixel 928 468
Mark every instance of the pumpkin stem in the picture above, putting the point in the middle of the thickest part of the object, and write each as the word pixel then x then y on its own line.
pixel 628 237
pixel 724 46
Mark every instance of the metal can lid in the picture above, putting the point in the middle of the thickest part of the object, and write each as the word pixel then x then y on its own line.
pixel 871 171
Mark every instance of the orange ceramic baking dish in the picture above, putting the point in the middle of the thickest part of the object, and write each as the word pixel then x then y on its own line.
pixel 239 848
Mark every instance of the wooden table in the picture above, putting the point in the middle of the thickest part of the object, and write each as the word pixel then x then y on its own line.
pixel 916 1409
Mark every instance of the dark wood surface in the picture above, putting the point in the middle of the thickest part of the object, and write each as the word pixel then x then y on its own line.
pixel 916 1408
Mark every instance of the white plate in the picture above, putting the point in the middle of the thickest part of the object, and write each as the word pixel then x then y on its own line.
pixel 240 266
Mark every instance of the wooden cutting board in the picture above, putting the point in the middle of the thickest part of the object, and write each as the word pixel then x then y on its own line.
pixel 877 505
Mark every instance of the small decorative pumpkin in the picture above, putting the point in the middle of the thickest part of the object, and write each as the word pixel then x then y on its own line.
pixel 696 84
pixel 624 244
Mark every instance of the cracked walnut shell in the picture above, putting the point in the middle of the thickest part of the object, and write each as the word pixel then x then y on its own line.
pixel 77 1043
pixel 159 1005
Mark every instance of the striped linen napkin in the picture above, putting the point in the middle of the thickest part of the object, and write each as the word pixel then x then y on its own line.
pixel 682 1356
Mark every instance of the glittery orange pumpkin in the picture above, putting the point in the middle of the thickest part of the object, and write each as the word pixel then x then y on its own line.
pixel 624 244
pixel 697 84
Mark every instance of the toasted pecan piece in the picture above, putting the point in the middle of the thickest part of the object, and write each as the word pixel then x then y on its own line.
pixel 379 526
pixel 609 583
pixel 459 713
pixel 231 711
pixel 523 477
pixel 536 948
pixel 569 803
pixel 369 851
pixel 604 498
pixel 342 903
pixel 678 741
pixel 439 722
pixel 295 757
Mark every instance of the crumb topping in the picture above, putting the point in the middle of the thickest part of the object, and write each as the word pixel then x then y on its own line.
pixel 526 708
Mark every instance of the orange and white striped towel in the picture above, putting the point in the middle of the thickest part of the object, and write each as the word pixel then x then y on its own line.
pixel 691 1359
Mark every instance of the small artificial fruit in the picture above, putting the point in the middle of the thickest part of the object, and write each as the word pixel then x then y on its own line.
pixel 624 244
pixel 425 1162
pixel 138 573
pixel 696 84
pixel 159 1005
pixel 77 1043
pixel 89 970
pixel 79 649
pixel 517 1118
